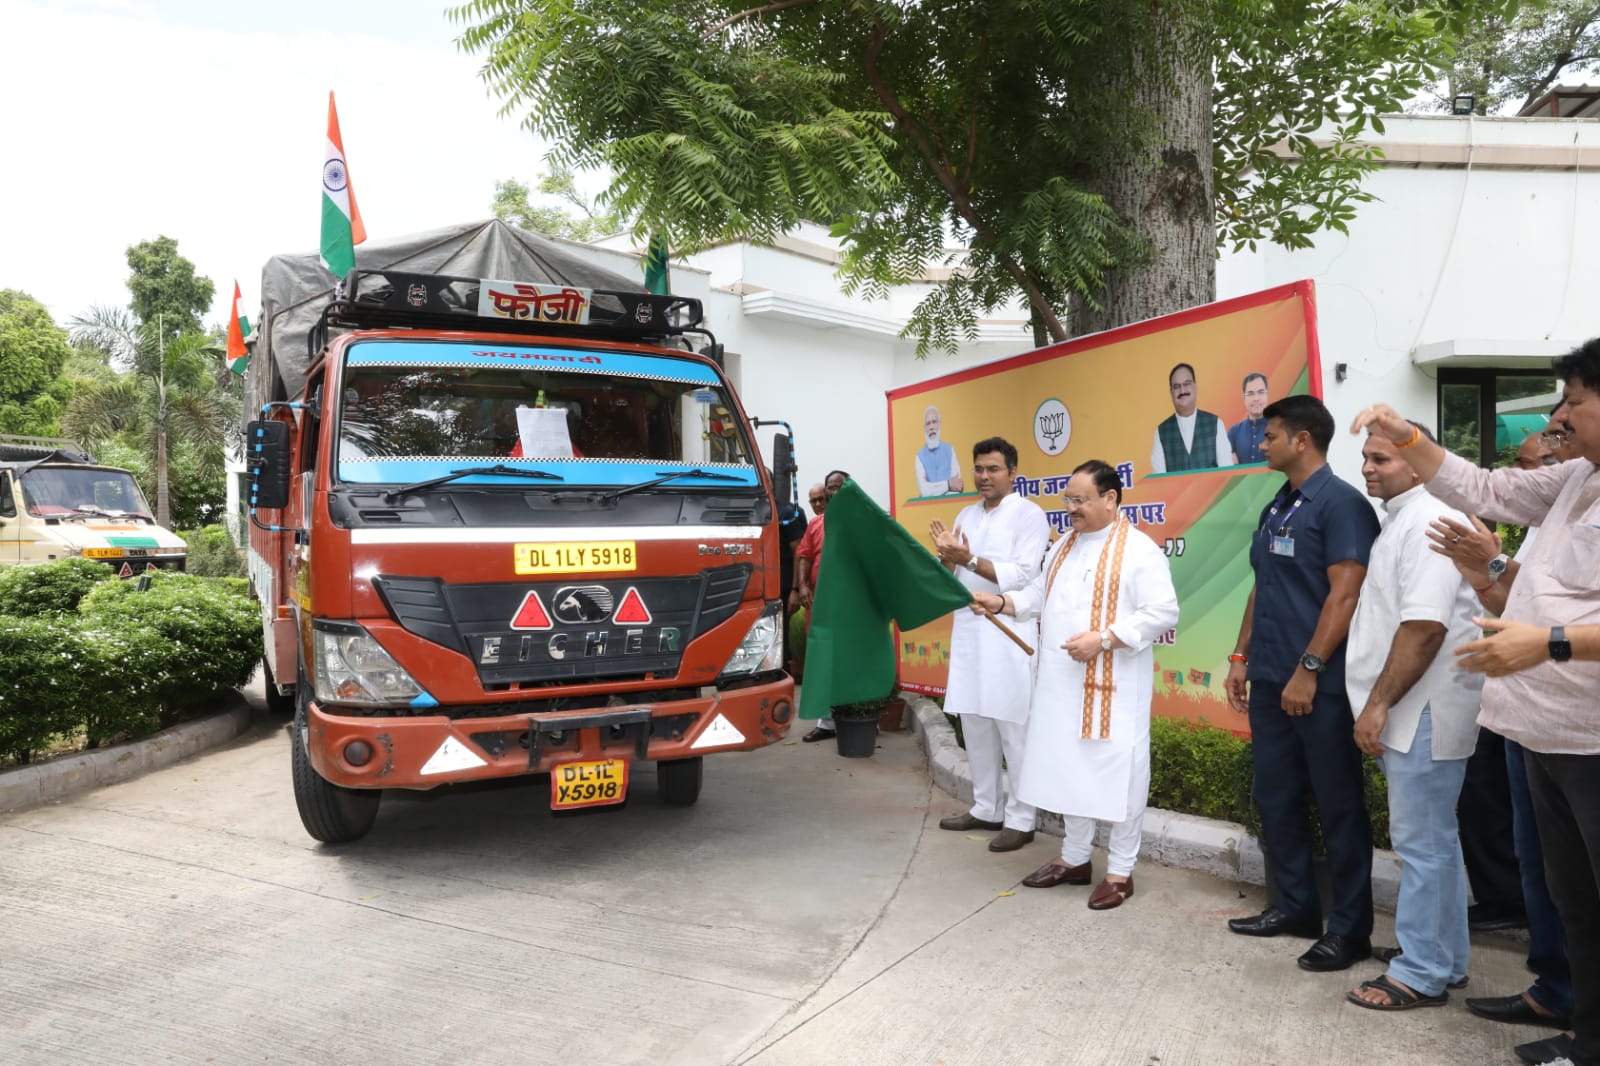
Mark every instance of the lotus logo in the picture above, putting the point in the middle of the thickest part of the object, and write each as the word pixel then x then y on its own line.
pixel 581 604
pixel 1052 427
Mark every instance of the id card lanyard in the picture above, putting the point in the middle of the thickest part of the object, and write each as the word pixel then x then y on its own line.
pixel 1281 542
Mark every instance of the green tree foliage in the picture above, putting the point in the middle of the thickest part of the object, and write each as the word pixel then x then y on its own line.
pixel 514 203
pixel 165 287
pixel 167 405
pixel 990 122
pixel 33 351
pixel 1510 60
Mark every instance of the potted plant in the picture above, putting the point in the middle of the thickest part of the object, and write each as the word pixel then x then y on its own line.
pixel 893 717
pixel 856 727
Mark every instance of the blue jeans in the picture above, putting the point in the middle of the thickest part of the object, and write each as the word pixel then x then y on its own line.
pixel 1547 938
pixel 1430 919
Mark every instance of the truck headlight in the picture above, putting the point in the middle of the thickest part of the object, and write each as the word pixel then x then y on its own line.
pixel 762 647
pixel 352 667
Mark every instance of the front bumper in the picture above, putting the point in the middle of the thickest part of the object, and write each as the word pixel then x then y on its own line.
pixel 424 752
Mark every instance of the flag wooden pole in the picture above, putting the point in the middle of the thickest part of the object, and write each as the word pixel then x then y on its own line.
pixel 1002 627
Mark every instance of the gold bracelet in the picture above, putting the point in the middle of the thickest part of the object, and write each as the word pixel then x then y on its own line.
pixel 1416 435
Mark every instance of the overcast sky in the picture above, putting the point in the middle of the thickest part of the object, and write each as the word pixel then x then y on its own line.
pixel 204 120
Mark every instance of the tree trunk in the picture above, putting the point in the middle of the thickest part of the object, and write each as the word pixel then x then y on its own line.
pixel 163 497
pixel 1164 191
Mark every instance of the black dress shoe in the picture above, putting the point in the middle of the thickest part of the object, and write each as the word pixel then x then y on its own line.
pixel 1488 917
pixel 1514 1010
pixel 816 734
pixel 1550 1049
pixel 1335 951
pixel 1273 922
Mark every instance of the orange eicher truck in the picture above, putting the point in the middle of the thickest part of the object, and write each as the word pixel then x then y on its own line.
pixel 510 527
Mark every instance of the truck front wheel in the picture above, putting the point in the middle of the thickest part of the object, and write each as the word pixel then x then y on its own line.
pixel 678 781
pixel 331 813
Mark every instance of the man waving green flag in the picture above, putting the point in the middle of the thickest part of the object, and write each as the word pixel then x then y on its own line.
pixel 872 573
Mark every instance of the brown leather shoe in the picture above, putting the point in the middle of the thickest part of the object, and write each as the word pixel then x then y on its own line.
pixel 1109 894
pixel 1054 873
pixel 1009 839
pixel 965 820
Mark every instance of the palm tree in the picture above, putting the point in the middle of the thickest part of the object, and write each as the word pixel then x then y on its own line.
pixel 164 397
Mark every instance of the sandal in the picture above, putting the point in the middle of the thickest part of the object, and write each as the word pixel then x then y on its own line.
pixel 1399 998
pixel 1390 954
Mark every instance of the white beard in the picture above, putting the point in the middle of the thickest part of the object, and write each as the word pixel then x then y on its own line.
pixel 933 441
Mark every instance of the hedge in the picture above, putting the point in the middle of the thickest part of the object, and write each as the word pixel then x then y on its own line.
pixel 81 651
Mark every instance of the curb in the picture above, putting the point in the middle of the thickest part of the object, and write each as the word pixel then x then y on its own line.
pixel 53 781
pixel 1221 849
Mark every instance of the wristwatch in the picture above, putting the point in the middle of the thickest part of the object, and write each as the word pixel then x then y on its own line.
pixel 1105 640
pixel 972 564
pixel 1313 663
pixel 1560 646
pixel 1497 567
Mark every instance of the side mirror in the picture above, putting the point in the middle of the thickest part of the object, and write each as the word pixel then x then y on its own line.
pixel 267 457
pixel 783 464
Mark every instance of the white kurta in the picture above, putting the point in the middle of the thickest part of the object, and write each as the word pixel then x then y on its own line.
pixel 989 675
pixel 1061 771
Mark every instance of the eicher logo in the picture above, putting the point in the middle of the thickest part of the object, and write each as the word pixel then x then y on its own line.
pixel 1052 427
pixel 581 604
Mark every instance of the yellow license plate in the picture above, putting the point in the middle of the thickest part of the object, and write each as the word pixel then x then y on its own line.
pixel 578 557
pixel 590 783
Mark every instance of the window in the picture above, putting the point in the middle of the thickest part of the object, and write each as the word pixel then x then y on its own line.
pixel 1469 422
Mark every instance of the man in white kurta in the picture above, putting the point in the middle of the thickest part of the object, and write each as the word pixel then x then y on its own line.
pixel 1103 597
pixel 997 545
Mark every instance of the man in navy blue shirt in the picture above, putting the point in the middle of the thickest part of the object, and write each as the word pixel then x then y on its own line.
pixel 1309 553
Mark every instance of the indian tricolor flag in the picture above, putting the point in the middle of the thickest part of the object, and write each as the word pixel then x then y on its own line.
pixel 341 219
pixel 238 330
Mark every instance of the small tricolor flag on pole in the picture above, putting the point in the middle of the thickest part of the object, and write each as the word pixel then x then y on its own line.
pixel 238 330
pixel 341 219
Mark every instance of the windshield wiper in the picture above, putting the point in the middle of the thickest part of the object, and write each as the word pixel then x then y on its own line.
pixel 499 468
pixel 666 477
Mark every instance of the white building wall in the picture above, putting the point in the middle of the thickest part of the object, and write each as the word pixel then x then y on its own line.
pixel 1482 249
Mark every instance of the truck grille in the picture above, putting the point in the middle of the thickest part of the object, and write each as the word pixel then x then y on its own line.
pixel 570 630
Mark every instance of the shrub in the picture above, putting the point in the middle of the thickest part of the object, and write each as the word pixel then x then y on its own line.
pixel 212 553
pixel 213 632
pixel 53 588
pixel 43 682
pixel 134 656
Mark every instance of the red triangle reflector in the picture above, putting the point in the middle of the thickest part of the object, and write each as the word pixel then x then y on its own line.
pixel 126 571
pixel 632 611
pixel 531 615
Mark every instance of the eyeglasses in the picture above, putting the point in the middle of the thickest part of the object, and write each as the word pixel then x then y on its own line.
pixel 818 499
pixel 1079 501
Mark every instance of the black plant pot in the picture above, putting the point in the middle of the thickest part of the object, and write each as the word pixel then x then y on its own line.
pixel 857 737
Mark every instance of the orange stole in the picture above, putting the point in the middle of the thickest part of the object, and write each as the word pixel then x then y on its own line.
pixel 1101 614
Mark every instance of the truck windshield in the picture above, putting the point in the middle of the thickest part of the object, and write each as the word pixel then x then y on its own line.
pixel 622 415
pixel 50 491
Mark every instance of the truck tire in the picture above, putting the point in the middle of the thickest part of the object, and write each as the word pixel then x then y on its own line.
pixel 277 702
pixel 678 781
pixel 331 813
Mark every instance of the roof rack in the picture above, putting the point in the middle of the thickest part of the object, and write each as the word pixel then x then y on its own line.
pixel 378 299
pixel 16 449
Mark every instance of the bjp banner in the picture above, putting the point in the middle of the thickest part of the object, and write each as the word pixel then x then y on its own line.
pixel 1166 402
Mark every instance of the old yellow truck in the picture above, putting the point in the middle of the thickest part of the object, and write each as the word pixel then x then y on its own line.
pixel 56 502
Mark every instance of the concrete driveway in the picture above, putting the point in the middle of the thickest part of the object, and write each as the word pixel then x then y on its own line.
pixel 808 910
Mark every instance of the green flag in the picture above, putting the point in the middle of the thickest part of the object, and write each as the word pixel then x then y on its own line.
pixel 872 572
pixel 656 276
